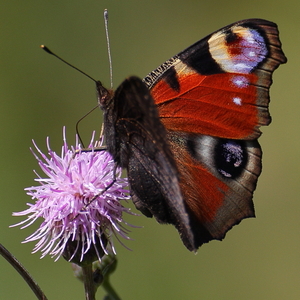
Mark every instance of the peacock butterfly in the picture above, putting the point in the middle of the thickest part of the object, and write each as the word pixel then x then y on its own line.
pixel 187 133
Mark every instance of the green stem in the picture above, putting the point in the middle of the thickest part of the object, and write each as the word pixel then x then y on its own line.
pixel 89 286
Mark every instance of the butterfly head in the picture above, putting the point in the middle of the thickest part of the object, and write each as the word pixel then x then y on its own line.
pixel 104 95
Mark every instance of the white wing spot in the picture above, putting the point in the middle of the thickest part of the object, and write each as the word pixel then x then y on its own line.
pixel 237 101
pixel 241 67
pixel 240 81
pixel 250 39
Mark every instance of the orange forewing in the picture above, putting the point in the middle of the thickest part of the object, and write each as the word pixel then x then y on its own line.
pixel 205 105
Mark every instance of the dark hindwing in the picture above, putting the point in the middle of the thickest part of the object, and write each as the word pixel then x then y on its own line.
pixel 141 146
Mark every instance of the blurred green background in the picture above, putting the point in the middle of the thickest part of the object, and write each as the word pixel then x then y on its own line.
pixel 259 259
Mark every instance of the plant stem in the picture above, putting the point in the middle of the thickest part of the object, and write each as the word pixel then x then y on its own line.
pixel 23 272
pixel 89 286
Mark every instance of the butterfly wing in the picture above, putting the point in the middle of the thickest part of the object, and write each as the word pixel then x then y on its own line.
pixel 222 82
pixel 212 98
pixel 137 140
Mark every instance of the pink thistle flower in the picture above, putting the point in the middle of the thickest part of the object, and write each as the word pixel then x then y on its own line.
pixel 79 202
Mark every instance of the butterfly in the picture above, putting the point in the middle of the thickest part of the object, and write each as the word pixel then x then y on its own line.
pixel 187 133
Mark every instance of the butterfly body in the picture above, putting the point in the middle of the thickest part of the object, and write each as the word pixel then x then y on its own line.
pixel 187 134
pixel 137 140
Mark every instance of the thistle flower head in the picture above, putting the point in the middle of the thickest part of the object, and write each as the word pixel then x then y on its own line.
pixel 79 201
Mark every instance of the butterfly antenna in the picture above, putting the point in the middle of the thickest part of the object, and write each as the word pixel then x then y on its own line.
pixel 108 47
pixel 52 53
pixel 85 74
